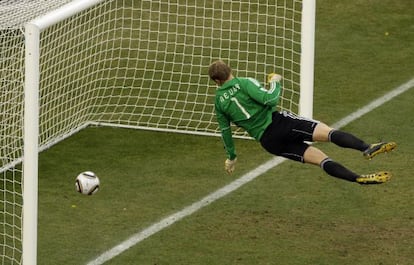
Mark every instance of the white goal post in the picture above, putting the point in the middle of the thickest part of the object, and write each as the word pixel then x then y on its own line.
pixel 69 64
pixel 33 30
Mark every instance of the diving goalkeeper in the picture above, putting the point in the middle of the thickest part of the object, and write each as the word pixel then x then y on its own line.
pixel 244 102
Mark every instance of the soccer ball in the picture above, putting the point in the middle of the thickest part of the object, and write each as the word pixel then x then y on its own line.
pixel 87 183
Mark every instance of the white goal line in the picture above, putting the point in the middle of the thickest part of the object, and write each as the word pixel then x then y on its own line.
pixel 246 178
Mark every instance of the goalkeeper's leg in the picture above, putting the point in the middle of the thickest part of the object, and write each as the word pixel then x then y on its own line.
pixel 324 133
pixel 315 156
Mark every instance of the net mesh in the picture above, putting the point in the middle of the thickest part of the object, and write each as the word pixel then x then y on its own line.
pixel 138 64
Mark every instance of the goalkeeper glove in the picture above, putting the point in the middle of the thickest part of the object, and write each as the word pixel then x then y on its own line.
pixel 272 77
pixel 229 165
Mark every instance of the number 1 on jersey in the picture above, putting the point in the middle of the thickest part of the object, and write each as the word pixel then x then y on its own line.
pixel 241 107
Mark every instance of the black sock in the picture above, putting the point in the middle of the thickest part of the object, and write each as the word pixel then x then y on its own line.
pixel 337 170
pixel 347 140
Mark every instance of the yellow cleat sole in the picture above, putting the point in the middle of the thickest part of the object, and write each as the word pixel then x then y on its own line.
pixel 376 178
pixel 385 148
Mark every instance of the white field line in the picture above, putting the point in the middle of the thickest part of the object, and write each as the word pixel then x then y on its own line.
pixel 246 178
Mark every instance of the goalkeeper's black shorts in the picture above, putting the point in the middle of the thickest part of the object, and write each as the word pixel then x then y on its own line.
pixel 286 135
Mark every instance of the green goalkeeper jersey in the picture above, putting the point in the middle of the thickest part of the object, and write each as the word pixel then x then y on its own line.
pixel 247 104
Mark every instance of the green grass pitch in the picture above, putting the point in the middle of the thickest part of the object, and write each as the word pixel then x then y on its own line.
pixel 294 213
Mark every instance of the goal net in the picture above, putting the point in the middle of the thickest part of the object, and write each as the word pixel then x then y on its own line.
pixel 131 63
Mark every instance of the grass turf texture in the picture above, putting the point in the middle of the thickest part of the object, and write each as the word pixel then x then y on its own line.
pixel 293 214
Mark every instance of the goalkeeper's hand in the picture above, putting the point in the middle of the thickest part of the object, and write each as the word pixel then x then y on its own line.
pixel 230 165
pixel 272 77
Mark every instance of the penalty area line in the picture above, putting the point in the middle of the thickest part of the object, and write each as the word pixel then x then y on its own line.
pixel 246 178
pixel 374 104
pixel 164 223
